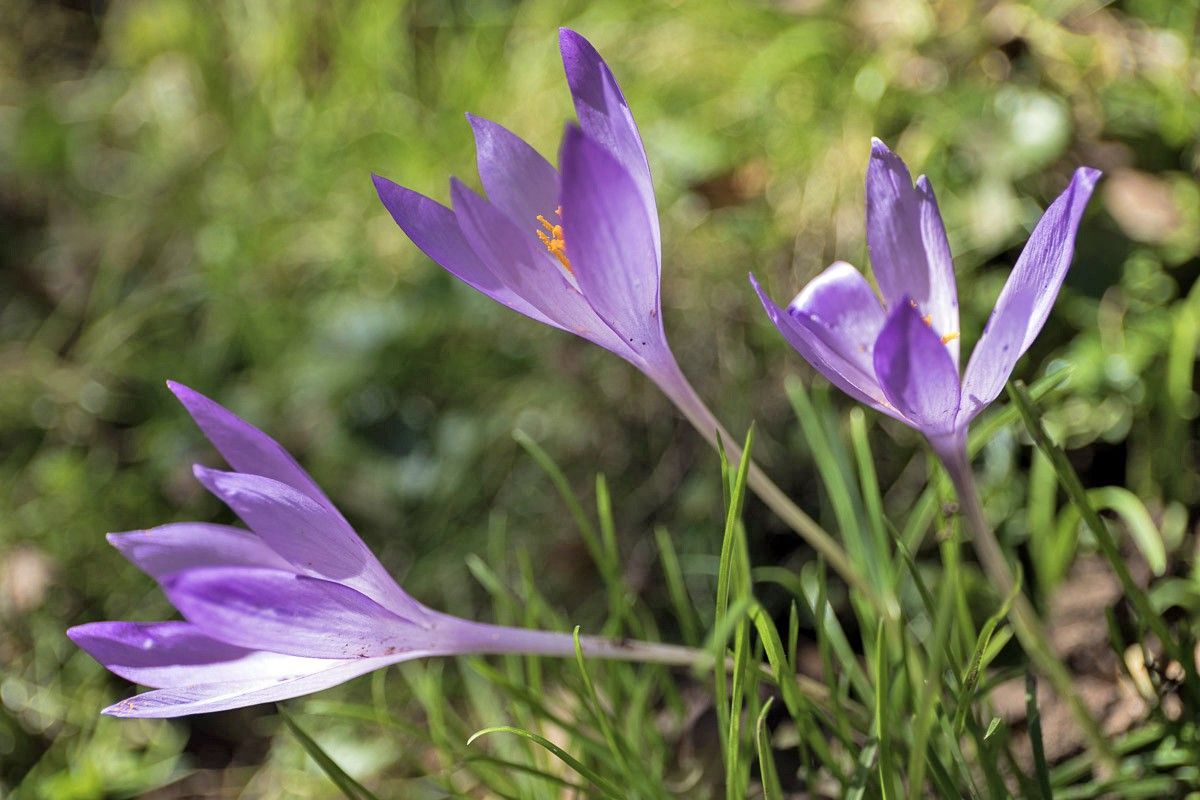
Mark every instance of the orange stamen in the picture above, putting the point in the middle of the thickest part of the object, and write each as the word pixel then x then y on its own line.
pixel 928 320
pixel 552 237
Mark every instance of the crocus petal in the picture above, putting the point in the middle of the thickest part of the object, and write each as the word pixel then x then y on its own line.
pixel 433 228
pixel 245 447
pixel 605 116
pixel 516 178
pixel 206 698
pixel 1027 297
pixel 314 539
pixel 808 337
pixel 184 545
pixel 916 372
pixel 162 654
pixel 841 299
pixel 610 242
pixel 288 613
pixel 533 273
pixel 909 250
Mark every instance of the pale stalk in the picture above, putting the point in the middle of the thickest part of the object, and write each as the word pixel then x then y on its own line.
pixel 1025 621
pixel 676 387
pixel 483 638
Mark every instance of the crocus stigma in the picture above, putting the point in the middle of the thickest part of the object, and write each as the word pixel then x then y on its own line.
pixel 296 604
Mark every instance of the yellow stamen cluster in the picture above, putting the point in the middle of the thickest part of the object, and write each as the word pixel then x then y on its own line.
pixel 552 237
pixel 928 320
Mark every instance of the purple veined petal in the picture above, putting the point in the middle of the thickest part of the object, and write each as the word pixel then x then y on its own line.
pixel 907 239
pixel 186 545
pixel 288 613
pixel 841 299
pixel 206 698
pixel 315 540
pixel 245 447
pixel 517 179
pixel 610 242
pixel 535 274
pixel 807 337
pixel 434 229
pixel 916 372
pixel 1028 295
pixel 604 115
pixel 162 654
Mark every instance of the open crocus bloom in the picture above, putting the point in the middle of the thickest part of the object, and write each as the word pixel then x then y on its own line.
pixel 576 247
pixel 900 356
pixel 296 604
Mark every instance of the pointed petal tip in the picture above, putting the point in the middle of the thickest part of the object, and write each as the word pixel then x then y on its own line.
pixel 878 148
pixel 461 195
pixel 77 634
pixel 573 42
pixel 206 475
pixel 385 187
pixel 185 394
pixel 1088 176
pixel 571 130
pixel 577 146
pixel 769 305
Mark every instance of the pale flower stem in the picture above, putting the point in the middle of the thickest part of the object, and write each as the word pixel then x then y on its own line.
pixel 488 639
pixel 1025 621
pixel 685 398
pixel 482 638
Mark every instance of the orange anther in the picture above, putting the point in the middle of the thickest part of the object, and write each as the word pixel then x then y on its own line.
pixel 552 238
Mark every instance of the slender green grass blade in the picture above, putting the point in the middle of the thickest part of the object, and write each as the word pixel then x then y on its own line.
pixel 685 610
pixel 974 667
pixel 596 709
pixel 883 722
pixel 597 781
pixel 929 703
pixel 778 659
pixel 772 790
pixel 1033 720
pixel 1079 496
pixel 590 537
pixel 345 784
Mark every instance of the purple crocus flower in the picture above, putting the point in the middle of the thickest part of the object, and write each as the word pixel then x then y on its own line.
pixel 900 356
pixel 575 247
pixel 296 604
pixel 578 248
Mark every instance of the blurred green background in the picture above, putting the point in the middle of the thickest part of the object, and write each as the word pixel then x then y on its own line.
pixel 185 193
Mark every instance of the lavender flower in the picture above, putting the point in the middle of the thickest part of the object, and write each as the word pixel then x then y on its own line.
pixel 578 248
pixel 900 356
pixel 296 604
